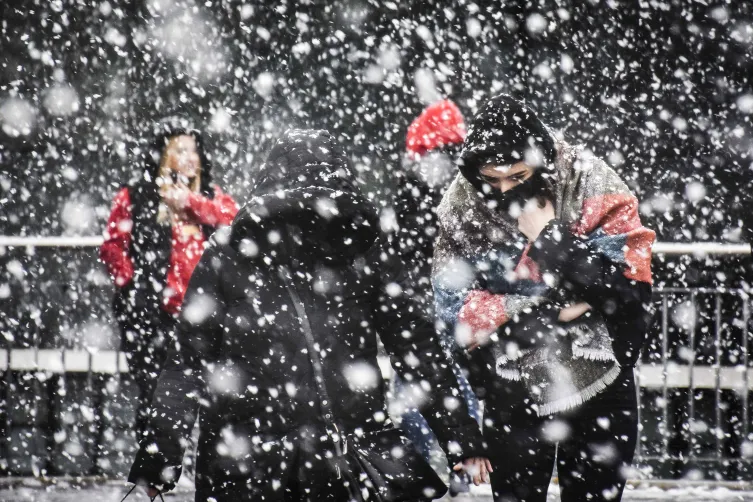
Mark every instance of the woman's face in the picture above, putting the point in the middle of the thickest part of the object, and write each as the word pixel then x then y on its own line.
pixel 504 178
pixel 182 155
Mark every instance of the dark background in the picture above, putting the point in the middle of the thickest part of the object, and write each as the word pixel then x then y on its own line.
pixel 662 90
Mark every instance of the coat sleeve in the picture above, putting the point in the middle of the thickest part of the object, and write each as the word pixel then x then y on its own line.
pixel 590 275
pixel 181 385
pixel 494 296
pixel 412 244
pixel 423 365
pixel 115 250
pixel 217 211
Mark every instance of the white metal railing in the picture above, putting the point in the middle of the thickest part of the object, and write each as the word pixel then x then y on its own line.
pixel 665 248
pixel 63 360
pixel 74 241
pixel 650 376
pixel 664 377
pixel 715 378
pixel 701 248
pixel 680 376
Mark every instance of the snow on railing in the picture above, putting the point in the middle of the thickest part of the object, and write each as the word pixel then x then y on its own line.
pixel 701 248
pixel 75 241
pixel 64 360
pixel 665 248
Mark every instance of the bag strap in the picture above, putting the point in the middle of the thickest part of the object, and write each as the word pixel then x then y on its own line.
pixel 159 494
pixel 325 404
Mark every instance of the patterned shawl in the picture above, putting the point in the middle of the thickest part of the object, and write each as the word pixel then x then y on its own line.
pixel 571 362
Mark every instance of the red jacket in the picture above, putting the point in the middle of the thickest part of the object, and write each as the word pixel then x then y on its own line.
pixel 186 249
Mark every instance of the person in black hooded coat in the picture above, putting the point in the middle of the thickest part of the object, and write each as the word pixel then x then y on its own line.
pixel 242 359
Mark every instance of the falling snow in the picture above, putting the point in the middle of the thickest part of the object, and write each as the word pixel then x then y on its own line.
pixel 661 90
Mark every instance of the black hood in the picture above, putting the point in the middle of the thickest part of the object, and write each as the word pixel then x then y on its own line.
pixel 504 132
pixel 161 134
pixel 306 198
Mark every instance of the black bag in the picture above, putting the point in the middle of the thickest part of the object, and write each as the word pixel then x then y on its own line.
pixel 381 466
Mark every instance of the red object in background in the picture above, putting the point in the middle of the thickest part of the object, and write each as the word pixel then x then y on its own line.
pixel 439 125
pixel 186 248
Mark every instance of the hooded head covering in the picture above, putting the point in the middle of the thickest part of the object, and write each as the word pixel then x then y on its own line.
pixel 162 132
pixel 151 240
pixel 306 196
pixel 505 132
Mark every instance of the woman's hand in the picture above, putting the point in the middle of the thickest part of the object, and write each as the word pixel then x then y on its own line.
pixel 477 467
pixel 534 218
pixel 176 197
pixel 479 339
pixel 151 492
pixel 574 311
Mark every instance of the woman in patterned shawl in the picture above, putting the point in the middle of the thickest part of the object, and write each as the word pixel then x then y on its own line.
pixel 542 276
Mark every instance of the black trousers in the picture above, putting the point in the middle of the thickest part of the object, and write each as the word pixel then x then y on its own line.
pixel 145 339
pixel 592 445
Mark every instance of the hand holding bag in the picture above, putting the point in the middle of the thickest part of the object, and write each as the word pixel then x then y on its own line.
pixel 380 466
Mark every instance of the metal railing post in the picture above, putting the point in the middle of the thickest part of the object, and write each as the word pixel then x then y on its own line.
pixel 747 335
pixel 639 407
pixel 90 403
pixel 7 398
pixel 665 371
pixel 717 373
pixel 691 385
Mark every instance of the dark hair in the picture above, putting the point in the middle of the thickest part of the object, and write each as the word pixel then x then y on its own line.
pixel 147 234
pixel 162 134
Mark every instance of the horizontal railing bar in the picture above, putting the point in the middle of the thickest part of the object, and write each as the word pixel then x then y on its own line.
pixel 701 290
pixel 704 377
pixel 63 360
pixel 667 248
pixel 104 361
pixel 701 248
pixel 78 241
pixel 699 459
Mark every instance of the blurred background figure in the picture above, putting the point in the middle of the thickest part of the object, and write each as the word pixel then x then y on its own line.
pixel 155 236
pixel 433 142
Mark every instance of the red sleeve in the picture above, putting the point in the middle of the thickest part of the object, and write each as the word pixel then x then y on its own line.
pixel 115 250
pixel 218 211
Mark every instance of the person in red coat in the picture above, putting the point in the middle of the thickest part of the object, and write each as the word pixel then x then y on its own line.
pixel 155 236
pixel 432 145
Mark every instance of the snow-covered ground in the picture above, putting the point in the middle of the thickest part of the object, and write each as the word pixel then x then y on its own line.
pixel 115 492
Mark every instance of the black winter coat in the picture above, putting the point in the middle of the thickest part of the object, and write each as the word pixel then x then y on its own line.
pixel 416 199
pixel 414 239
pixel 241 359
